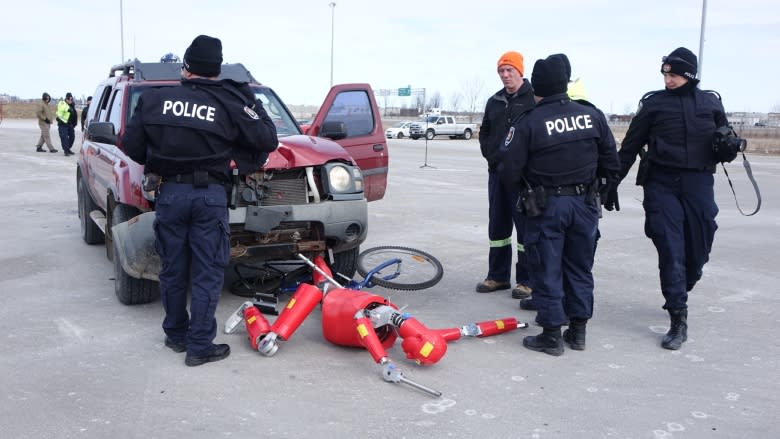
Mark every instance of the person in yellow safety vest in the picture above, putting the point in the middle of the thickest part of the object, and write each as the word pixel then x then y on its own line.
pixel 66 123
pixel 576 90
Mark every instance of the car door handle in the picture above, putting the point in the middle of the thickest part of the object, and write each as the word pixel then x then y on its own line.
pixel 379 147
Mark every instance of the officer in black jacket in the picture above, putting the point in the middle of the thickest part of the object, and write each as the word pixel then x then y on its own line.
pixel 188 135
pixel 501 110
pixel 555 154
pixel 678 125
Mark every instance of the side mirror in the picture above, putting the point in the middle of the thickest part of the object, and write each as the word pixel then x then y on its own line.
pixel 101 132
pixel 333 130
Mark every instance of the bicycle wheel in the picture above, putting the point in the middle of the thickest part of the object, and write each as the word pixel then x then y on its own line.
pixel 415 269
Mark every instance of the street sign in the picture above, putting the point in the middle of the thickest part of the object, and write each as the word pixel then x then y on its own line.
pixel 405 91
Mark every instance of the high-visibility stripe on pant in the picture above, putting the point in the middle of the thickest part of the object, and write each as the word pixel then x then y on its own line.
pixel 502 218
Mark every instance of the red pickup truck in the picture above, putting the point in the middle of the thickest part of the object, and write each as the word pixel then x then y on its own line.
pixel 310 197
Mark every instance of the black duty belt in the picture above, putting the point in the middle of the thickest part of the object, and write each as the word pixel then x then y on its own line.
pixel 190 179
pixel 567 190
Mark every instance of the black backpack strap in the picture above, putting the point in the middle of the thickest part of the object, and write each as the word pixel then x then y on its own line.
pixel 713 92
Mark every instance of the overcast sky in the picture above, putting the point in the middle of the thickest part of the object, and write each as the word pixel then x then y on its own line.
pixel 614 46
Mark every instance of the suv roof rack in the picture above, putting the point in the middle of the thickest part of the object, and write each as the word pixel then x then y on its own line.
pixel 157 71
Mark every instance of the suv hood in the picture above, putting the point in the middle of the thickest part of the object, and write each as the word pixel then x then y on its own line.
pixel 301 150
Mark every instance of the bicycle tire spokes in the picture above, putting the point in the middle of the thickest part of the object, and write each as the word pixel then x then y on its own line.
pixel 414 269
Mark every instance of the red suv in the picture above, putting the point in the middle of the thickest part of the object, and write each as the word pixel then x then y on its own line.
pixel 311 195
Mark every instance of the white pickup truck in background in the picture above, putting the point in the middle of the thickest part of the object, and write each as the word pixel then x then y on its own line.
pixel 436 125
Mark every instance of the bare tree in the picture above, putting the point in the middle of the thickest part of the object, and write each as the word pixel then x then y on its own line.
pixel 435 100
pixel 455 101
pixel 419 102
pixel 472 94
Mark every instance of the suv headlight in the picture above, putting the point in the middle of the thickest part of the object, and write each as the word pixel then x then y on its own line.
pixel 342 181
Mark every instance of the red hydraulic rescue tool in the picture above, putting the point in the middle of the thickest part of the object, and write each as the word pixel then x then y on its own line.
pixel 358 319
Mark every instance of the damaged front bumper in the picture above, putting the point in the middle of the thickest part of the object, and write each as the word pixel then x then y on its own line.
pixel 258 233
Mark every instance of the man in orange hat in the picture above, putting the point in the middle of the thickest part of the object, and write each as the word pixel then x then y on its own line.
pixel 501 110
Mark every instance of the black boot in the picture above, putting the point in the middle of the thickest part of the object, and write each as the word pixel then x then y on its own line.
pixel 549 341
pixel 527 304
pixel 575 335
pixel 217 352
pixel 678 331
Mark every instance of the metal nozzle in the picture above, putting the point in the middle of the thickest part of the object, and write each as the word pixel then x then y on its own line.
pixel 236 318
pixel 392 374
pixel 268 345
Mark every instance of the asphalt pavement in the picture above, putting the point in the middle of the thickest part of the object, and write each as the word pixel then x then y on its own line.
pixel 76 363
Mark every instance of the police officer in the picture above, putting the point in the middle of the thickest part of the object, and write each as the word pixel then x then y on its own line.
pixel 677 124
pixel 507 105
pixel 187 135
pixel 555 154
pixel 576 92
pixel 66 123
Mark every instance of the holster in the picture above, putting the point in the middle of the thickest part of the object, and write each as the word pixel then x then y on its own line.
pixel 532 201
pixel 200 179
pixel 593 196
pixel 151 182
pixel 644 168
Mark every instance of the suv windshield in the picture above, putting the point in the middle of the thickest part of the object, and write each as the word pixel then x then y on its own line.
pixel 285 124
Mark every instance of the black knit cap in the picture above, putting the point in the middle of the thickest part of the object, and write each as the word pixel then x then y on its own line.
pixel 566 63
pixel 68 95
pixel 681 62
pixel 45 96
pixel 549 76
pixel 204 56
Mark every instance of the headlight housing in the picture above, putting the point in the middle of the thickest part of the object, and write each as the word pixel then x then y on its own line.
pixel 342 181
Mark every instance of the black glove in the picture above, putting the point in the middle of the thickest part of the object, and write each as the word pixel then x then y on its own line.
pixel 611 198
pixel 47 121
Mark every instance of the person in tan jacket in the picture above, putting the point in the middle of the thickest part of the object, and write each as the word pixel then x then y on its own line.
pixel 45 117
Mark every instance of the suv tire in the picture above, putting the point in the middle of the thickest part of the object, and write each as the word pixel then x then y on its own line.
pixel 129 290
pixel 90 232
pixel 345 263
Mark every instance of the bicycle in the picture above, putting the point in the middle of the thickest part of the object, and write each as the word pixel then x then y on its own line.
pixel 392 267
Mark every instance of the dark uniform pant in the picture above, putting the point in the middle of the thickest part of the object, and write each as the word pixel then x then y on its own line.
pixel 559 246
pixel 192 231
pixel 680 213
pixel 502 217
pixel 67 136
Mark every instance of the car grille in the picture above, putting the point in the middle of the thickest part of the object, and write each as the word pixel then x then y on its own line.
pixel 281 191
pixel 274 189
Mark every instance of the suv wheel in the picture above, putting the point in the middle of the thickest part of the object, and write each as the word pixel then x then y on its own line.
pixel 129 290
pixel 90 232
pixel 345 263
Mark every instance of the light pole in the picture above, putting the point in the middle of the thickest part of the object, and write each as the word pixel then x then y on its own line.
pixel 332 30
pixel 701 37
pixel 122 30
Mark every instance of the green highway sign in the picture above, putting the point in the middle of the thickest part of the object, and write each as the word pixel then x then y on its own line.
pixel 405 91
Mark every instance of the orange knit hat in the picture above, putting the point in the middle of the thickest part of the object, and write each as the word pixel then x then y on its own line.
pixel 514 59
